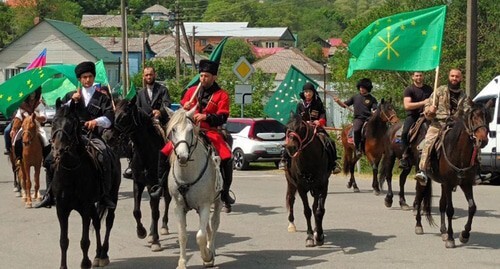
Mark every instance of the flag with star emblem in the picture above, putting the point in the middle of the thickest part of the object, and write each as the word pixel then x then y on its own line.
pixel 409 41
pixel 286 97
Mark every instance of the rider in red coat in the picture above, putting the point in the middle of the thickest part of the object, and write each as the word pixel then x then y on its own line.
pixel 211 113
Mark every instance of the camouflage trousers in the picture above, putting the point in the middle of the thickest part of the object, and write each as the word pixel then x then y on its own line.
pixel 430 137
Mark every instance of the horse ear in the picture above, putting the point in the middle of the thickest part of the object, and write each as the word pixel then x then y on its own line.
pixel 190 113
pixel 170 112
pixel 58 103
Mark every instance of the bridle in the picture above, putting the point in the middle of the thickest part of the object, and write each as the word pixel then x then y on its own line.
pixel 387 118
pixel 303 142
pixel 74 140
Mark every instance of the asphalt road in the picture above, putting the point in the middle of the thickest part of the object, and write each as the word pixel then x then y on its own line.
pixel 360 231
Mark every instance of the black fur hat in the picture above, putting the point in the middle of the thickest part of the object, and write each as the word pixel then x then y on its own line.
pixel 84 67
pixel 308 86
pixel 365 83
pixel 208 66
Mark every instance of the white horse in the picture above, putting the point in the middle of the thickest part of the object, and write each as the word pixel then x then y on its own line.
pixel 194 182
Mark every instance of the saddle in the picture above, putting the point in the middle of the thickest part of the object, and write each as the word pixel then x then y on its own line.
pixel 330 149
pixel 350 135
pixel 100 154
pixel 415 128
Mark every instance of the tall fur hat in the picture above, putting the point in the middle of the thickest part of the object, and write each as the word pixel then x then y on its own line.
pixel 84 67
pixel 308 86
pixel 208 66
pixel 365 83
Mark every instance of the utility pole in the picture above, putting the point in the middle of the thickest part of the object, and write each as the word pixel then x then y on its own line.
pixel 177 42
pixel 471 49
pixel 193 40
pixel 124 48
pixel 143 54
pixel 191 56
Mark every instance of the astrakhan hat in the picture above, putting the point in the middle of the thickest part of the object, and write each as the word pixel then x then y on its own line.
pixel 84 67
pixel 209 66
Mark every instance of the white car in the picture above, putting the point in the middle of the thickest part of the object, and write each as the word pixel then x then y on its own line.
pixel 256 140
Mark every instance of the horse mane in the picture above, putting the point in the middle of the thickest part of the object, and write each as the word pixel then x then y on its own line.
pixel 375 127
pixel 177 119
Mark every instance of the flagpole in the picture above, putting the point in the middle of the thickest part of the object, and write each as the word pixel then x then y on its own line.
pixel 435 86
pixel 195 93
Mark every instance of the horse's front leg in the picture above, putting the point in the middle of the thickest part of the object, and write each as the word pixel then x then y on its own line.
pixel 402 181
pixel 307 214
pixel 442 214
pixel 27 186
pixel 450 211
pixel 319 212
pixel 469 195
pixel 167 199
pixel 96 222
pixel 85 241
pixel 138 189
pixel 207 254
pixel 387 167
pixel 352 180
pixel 291 190
pixel 154 238
pixel 37 194
pixel 181 216
pixel 62 216
pixel 103 254
pixel 375 185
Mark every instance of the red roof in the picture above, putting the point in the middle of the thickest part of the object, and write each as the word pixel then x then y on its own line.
pixel 262 52
pixel 22 3
pixel 336 42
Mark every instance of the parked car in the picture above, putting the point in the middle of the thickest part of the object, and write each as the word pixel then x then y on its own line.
pixel 4 121
pixel 50 112
pixel 256 140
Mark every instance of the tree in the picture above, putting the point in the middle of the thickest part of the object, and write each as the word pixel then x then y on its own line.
pixel 236 48
pixel 7 30
pixel 315 52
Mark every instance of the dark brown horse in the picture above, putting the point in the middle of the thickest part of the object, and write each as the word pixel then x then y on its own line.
pixel 375 141
pixel 396 151
pixel 137 126
pixel 454 164
pixel 308 171
pixel 77 182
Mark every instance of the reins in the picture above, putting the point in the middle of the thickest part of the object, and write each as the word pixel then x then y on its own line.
pixel 302 141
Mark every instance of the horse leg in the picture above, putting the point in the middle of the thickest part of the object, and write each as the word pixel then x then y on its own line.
pixel 442 212
pixel 469 195
pixel 103 257
pixel 181 216
pixel 402 182
pixel 154 238
pixel 352 180
pixel 387 173
pixel 167 199
pixel 375 186
pixel 214 225
pixel 138 189
pixel 202 237
pixel 291 190
pixel 27 187
pixel 96 222
pixel 418 208
pixel 450 211
pixel 85 241
pixel 37 194
pixel 63 216
pixel 319 212
pixel 307 214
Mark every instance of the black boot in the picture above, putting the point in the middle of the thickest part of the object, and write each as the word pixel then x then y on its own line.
pixel 129 154
pixel 128 172
pixel 227 176
pixel 163 170
pixel 403 162
pixel 48 199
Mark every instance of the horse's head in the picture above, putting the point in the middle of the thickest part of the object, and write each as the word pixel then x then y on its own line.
pixel 299 133
pixel 387 112
pixel 30 129
pixel 66 129
pixel 477 121
pixel 126 116
pixel 183 133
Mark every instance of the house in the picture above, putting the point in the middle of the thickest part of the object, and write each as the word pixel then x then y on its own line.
pixel 101 21
pixel 280 62
pixel 135 48
pixel 65 44
pixel 159 13
pixel 164 46
pixel 208 34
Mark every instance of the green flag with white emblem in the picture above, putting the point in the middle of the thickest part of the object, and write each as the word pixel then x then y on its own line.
pixel 286 97
pixel 409 41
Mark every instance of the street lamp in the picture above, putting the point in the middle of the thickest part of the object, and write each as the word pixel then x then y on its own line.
pixel 324 82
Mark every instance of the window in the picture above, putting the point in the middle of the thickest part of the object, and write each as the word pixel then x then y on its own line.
pixel 203 42
pixel 269 44
pixel 11 72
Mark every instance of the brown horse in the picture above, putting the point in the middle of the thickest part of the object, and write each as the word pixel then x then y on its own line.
pixel 31 157
pixel 376 143
pixel 454 163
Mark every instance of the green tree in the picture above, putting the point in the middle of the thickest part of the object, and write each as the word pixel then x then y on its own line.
pixel 315 52
pixel 236 48
pixel 7 30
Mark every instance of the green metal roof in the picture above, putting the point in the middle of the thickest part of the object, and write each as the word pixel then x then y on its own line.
pixel 83 40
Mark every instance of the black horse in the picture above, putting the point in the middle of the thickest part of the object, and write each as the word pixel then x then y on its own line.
pixel 308 171
pixel 455 163
pixel 396 151
pixel 139 128
pixel 76 184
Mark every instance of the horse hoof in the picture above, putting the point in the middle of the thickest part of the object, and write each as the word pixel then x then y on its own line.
pixel 349 185
pixel 450 244
pixel 86 264
pixel 155 247
pixel 419 230
pixel 141 232
pixel 310 243
pixel 28 205
pixel 150 239
pixel 104 262
pixel 463 238
pixel 356 189
pixel 96 262
pixel 388 203
pixel 404 206
pixel 320 239
pixel 444 237
pixel 211 262
pixel 376 192
pixel 292 228
pixel 164 231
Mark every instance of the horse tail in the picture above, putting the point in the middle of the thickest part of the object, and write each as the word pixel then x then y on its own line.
pixel 346 163
pixel 427 202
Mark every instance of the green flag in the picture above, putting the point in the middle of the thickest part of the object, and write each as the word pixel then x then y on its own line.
pixel 214 56
pixel 409 41
pixel 286 97
pixel 100 73
pixel 131 92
